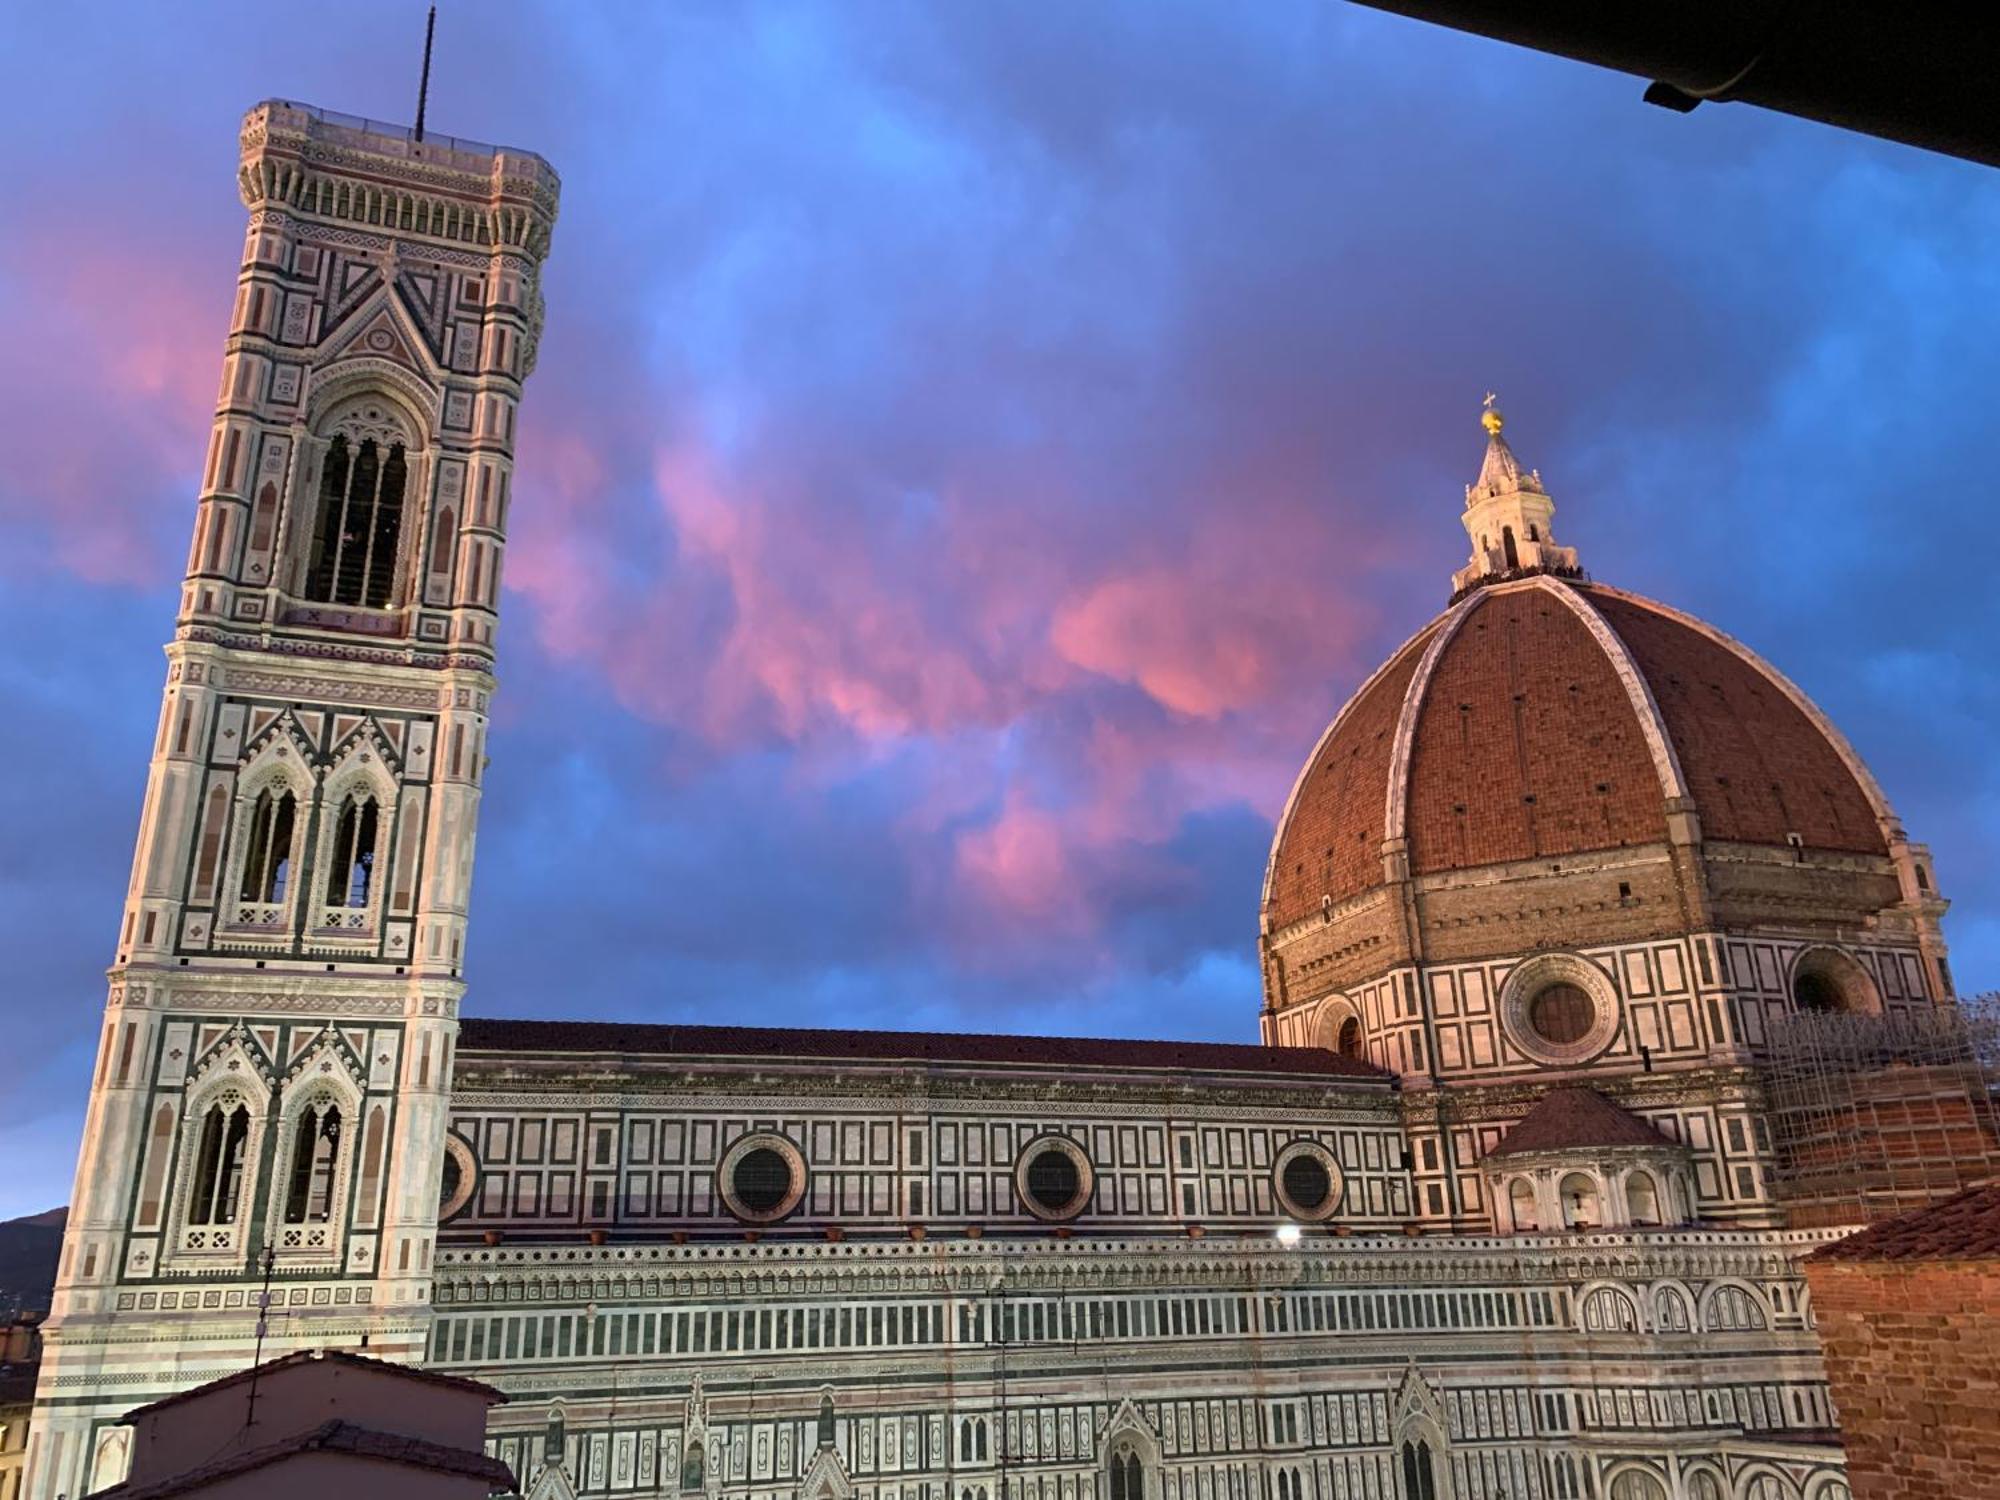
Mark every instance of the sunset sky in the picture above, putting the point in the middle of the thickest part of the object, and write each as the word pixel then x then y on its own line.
pixel 975 449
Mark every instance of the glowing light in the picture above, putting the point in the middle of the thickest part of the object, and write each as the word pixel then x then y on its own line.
pixel 1288 1235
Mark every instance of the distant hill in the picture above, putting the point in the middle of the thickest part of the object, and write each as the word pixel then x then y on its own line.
pixel 28 1250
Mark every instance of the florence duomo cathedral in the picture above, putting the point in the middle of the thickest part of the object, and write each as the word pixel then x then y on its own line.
pixel 1500 1206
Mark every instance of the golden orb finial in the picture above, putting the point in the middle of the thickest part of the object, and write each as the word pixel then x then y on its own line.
pixel 1490 417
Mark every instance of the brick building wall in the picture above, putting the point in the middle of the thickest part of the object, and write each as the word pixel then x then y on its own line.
pixel 1909 1314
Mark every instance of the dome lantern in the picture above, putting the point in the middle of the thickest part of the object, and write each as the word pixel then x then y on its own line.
pixel 1508 517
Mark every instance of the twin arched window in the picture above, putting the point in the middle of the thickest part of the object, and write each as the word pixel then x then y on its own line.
pixel 311 1176
pixel 360 524
pixel 1419 1478
pixel 1128 1475
pixel 216 1193
pixel 267 858
pixel 351 865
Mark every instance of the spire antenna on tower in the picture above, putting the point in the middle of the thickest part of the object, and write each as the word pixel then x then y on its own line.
pixel 424 83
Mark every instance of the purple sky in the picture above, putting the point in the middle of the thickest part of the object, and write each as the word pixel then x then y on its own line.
pixel 975 449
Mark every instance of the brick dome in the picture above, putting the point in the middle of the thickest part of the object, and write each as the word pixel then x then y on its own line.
pixel 1544 716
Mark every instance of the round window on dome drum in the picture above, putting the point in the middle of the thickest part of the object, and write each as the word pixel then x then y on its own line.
pixel 1562 1014
pixel 1053 1178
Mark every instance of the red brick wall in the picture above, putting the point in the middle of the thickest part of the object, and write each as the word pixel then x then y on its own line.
pixel 1913 1354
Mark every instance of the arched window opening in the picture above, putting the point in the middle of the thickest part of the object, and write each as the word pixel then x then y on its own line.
pixel 1642 1198
pixel 692 1474
pixel 1829 982
pixel 315 1152
pixel 218 1165
pixel 1521 1200
pixel 1607 1310
pixel 1349 1042
pixel 553 1437
pixel 267 860
pixel 1579 1202
pixel 1128 1475
pixel 1508 546
pixel 1534 534
pixel 1419 1481
pixel 1816 992
pixel 360 524
pixel 350 872
pixel 1637 1484
pixel 1670 1311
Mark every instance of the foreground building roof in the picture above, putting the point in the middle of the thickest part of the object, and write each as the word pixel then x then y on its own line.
pixel 1963 1227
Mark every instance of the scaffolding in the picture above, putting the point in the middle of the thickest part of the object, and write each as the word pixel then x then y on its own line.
pixel 1874 1114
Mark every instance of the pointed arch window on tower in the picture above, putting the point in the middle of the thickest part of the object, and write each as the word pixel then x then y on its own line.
pixel 267 859
pixel 1419 1479
pixel 218 1164
pixel 1128 1475
pixel 360 524
pixel 311 1175
pixel 1508 546
pixel 350 876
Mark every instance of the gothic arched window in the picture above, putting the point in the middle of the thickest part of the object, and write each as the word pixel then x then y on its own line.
pixel 1419 1480
pixel 351 868
pixel 1128 1475
pixel 1513 561
pixel 267 859
pixel 360 523
pixel 218 1164
pixel 314 1162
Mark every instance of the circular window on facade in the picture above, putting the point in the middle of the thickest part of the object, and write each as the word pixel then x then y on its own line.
pixel 761 1178
pixel 1561 1014
pixel 456 1182
pixel 1053 1178
pixel 1307 1179
pixel 1559 1009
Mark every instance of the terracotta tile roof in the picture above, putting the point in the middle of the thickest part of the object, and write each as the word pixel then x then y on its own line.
pixel 1963 1227
pixel 1524 743
pixel 786 1043
pixel 1331 840
pixel 328 1437
pixel 1759 767
pixel 311 1356
pixel 1566 1119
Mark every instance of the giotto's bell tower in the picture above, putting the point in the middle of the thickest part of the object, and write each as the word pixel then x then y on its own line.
pixel 272 1078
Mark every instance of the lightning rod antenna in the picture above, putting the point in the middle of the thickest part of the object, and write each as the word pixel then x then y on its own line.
pixel 424 84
